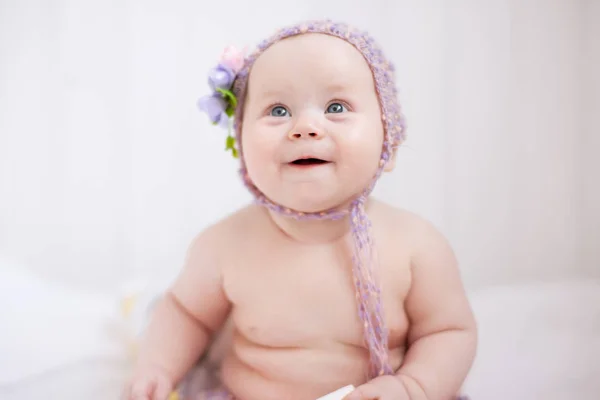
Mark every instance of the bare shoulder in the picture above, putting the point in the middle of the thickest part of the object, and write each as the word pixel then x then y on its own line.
pixel 212 247
pixel 216 238
pixel 199 286
pixel 412 229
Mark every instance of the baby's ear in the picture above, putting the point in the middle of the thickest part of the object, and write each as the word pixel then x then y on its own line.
pixel 391 164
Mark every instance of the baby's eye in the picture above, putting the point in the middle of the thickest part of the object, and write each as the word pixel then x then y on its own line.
pixel 279 111
pixel 336 108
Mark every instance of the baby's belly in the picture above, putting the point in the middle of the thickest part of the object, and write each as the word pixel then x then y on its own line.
pixel 255 372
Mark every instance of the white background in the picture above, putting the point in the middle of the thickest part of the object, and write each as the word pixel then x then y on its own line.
pixel 107 170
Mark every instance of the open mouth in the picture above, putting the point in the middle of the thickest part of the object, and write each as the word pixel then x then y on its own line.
pixel 307 162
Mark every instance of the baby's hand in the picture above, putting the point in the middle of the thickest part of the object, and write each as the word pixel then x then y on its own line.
pixel 150 385
pixel 386 387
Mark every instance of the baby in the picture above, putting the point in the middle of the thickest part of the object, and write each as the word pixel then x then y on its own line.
pixel 323 285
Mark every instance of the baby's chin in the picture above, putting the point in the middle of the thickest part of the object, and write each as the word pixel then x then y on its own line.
pixel 314 202
pixel 321 194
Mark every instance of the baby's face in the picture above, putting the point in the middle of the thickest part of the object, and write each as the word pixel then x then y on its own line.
pixel 312 132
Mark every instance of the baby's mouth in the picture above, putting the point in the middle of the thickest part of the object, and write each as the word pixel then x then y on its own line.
pixel 309 162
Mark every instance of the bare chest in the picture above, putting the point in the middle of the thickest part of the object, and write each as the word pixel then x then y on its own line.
pixel 291 295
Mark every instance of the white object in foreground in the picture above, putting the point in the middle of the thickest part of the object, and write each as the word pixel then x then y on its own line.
pixel 338 394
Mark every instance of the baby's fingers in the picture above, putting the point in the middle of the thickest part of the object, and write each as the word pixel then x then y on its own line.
pixel 162 390
pixel 364 392
pixel 381 388
pixel 142 390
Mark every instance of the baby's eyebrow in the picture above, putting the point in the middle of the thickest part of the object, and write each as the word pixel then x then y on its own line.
pixel 337 87
pixel 279 92
pixel 271 93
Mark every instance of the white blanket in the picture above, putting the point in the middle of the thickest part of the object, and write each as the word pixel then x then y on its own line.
pixel 537 341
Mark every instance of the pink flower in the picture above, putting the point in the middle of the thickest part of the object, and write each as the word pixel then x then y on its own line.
pixel 233 58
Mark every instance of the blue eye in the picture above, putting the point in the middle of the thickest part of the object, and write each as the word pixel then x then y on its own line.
pixel 279 111
pixel 336 108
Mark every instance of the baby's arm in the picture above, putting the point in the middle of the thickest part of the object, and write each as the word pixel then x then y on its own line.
pixel 184 319
pixel 442 336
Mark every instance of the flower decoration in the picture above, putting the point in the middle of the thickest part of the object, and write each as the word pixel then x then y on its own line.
pixel 221 103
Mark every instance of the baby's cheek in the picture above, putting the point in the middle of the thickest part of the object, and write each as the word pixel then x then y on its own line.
pixel 260 153
pixel 261 147
pixel 364 151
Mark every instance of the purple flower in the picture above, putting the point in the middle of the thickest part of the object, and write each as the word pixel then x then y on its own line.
pixel 221 77
pixel 215 106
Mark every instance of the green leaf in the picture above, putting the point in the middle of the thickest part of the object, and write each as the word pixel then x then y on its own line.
pixel 229 143
pixel 229 97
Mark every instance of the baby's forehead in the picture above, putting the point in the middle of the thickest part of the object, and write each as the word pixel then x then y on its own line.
pixel 320 59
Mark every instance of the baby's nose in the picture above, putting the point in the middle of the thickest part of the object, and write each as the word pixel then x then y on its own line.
pixel 305 134
pixel 307 126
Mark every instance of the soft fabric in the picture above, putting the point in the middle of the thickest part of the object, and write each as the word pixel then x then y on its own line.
pixel 46 325
pixel 537 341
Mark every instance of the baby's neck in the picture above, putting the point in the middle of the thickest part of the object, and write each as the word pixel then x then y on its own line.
pixel 313 231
